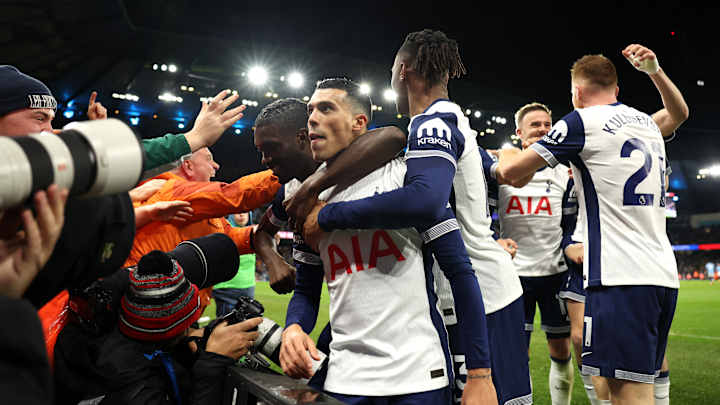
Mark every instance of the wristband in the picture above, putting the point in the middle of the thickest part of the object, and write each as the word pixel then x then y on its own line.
pixel 649 66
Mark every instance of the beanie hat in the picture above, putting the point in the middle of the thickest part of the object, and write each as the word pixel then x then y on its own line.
pixel 160 302
pixel 18 91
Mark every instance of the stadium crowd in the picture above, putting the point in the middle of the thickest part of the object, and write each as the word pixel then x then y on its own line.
pixel 428 305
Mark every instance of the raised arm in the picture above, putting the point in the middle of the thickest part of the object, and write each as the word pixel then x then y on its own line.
pixel 675 110
pixel 364 155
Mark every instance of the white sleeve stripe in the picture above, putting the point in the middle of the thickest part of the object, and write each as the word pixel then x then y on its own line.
pixel 570 211
pixel 307 258
pixel 430 153
pixel 440 229
pixel 493 169
pixel 545 154
pixel 276 221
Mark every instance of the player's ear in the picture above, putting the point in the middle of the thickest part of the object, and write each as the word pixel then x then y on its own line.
pixel 301 137
pixel 617 91
pixel 360 122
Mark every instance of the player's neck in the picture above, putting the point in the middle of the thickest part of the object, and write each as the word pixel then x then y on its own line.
pixel 600 99
pixel 420 101
pixel 308 169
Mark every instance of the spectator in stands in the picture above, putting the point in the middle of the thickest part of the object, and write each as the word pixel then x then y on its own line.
pixel 243 284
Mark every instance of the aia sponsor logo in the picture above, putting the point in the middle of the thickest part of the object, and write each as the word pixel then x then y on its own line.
pixel 382 245
pixel 515 205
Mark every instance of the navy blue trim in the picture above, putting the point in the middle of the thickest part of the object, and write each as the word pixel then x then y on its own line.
pixel 615 103
pixel 435 316
pixel 592 210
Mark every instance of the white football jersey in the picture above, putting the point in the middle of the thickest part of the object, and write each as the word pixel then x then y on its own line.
pixel 499 283
pixel 384 341
pixel 618 159
pixel 531 217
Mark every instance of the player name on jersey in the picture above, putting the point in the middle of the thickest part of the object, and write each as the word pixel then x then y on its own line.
pixel 623 223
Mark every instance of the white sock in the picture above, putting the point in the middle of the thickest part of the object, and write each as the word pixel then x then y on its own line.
pixel 561 381
pixel 662 389
pixel 590 389
pixel 604 402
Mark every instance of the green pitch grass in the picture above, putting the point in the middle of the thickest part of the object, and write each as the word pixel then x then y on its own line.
pixel 693 348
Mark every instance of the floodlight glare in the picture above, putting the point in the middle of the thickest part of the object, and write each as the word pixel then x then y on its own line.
pixel 257 76
pixel 507 145
pixel 389 95
pixel 295 80
pixel 134 121
pixel 477 114
pixel 364 88
pixel 172 68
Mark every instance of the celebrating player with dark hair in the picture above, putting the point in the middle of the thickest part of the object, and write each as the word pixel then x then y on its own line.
pixel 442 155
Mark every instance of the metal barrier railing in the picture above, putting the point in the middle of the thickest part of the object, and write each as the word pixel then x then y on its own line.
pixel 244 386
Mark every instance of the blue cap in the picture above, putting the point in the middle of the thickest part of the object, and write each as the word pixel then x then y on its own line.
pixel 19 91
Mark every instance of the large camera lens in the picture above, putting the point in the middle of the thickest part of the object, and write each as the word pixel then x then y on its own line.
pixel 90 158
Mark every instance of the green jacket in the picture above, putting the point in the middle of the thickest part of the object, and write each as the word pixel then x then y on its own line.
pixel 164 149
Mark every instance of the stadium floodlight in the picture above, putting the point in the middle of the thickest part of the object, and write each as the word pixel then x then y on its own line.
pixel 69 114
pixel 295 80
pixel 237 131
pixel 172 68
pixel 306 98
pixel 257 75
pixel 507 145
pixel 365 88
pixel 468 111
pixel 389 95
pixel 134 121
pixel 170 98
pixel 163 67
pixel 155 66
pixel 477 114
pixel 181 125
pixel 713 171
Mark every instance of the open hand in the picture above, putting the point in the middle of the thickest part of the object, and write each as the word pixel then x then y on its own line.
pixel 213 120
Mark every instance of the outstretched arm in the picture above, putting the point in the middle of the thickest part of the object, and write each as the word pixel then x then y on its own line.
pixel 676 110
pixel 364 155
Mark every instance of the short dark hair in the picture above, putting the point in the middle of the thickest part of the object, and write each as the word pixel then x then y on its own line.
pixel 361 101
pixel 434 56
pixel 283 113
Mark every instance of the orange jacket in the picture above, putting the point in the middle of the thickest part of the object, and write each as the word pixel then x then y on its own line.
pixel 211 201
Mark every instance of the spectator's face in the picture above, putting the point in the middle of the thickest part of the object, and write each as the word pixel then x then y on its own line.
pixel 26 121
pixel 201 167
pixel 241 219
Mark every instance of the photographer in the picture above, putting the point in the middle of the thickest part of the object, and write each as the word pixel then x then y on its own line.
pixel 146 359
pixel 23 362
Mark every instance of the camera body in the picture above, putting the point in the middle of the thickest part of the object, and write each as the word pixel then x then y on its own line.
pixel 270 339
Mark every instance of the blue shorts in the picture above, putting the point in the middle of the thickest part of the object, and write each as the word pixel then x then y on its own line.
pixel 508 356
pixel 626 331
pixel 544 291
pixel 438 396
pixel 573 289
